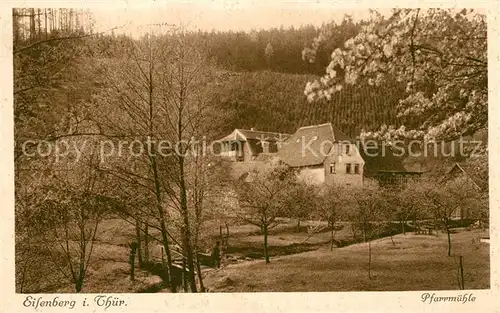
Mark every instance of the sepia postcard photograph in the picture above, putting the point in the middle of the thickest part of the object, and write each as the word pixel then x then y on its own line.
pixel 261 149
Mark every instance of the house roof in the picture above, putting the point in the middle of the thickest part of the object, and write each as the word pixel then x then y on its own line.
pixel 267 157
pixel 245 134
pixel 470 172
pixel 386 161
pixel 319 138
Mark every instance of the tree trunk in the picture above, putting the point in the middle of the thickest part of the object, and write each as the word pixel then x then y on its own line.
pixel 461 264
pixel 23 275
pixel 449 239
pixel 166 245
pixel 266 249
pixel 354 230
pixel 81 270
pixel 70 21
pixel 146 242
pixel 200 277
pixel 332 234
pixel 78 285
pixel 60 25
pixel 138 240
pixel 369 259
pixel 167 270
pixel 132 264
pixel 15 27
pixel 403 229
pixel 185 275
pixel 32 24
pixel 156 179
pixel 39 22
pixel 226 243
pixel 161 213
pixel 46 25
pixel 53 20
pixel 189 253
pixel 186 231
pixel 80 278
pixel 66 21
pixel 298 225
pixel 415 223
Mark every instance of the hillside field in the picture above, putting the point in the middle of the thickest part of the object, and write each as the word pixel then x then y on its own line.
pixel 304 262
pixel 413 262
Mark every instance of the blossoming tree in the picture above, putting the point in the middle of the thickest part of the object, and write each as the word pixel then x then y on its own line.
pixel 439 54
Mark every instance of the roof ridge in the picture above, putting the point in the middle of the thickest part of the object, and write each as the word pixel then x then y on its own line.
pixel 311 126
pixel 466 172
pixel 262 131
pixel 333 132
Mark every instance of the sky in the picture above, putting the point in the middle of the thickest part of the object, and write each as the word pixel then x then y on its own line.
pixel 222 15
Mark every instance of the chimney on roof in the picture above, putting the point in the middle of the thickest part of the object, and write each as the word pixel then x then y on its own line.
pixel 252 128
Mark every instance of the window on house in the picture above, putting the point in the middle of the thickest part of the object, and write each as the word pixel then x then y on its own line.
pixel 265 147
pixel 356 168
pixel 234 146
pixel 332 168
pixel 348 168
pixel 347 149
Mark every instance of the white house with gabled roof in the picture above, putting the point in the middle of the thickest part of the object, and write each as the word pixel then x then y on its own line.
pixel 323 154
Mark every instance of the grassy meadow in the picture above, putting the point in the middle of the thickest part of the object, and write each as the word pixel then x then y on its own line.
pixel 302 261
pixel 412 262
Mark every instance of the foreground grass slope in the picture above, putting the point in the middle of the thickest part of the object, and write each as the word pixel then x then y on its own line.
pixel 413 262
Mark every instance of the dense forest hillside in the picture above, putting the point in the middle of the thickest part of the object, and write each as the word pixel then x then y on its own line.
pixel 266 77
pixel 274 101
pixel 280 50
pixel 269 70
pixel 266 72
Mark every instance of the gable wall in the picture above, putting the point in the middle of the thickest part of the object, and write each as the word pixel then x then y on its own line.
pixel 339 156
